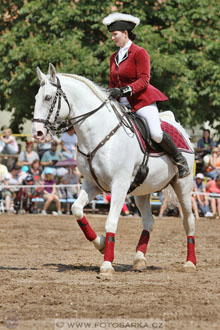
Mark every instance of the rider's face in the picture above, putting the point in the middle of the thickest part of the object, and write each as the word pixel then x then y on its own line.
pixel 120 38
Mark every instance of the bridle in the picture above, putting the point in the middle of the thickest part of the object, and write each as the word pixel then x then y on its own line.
pixel 52 127
pixel 59 127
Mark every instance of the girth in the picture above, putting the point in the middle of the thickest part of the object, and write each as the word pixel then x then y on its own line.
pixel 90 155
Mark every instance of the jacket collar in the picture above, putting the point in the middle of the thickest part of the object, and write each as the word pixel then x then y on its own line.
pixel 125 55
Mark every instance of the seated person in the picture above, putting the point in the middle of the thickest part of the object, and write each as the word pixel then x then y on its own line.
pixel 72 177
pixel 46 146
pixel 169 202
pixel 200 202
pixel 11 180
pixel 3 172
pixel 107 199
pixel 213 186
pixel 204 145
pixel 50 158
pixel 213 168
pixel 27 156
pixel 50 194
pixel 69 144
pixel 8 143
pixel 35 168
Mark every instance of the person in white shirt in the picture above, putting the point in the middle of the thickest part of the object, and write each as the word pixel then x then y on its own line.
pixel 8 144
pixel 69 144
pixel 11 181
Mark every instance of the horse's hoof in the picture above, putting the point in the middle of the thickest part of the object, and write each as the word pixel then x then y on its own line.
pixel 106 273
pixel 139 265
pixel 189 267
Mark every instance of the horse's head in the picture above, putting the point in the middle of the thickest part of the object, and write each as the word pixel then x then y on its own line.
pixel 51 106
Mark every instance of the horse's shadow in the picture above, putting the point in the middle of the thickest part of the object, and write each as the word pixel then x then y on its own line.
pixel 120 268
pixel 63 268
pixel 17 268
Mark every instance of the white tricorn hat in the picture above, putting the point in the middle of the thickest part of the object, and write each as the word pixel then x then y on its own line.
pixel 120 22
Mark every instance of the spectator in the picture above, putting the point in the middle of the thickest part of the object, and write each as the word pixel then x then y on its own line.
pixel 50 192
pixel 213 168
pixel 3 172
pixel 199 201
pixel 169 202
pixel 204 145
pixel 42 148
pixel 50 158
pixel 46 146
pixel 27 156
pixel 69 144
pixel 35 168
pixel 9 192
pixel 8 144
pixel 72 177
pixel 107 199
pixel 213 186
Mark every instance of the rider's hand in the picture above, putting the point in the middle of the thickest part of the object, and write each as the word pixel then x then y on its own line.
pixel 114 93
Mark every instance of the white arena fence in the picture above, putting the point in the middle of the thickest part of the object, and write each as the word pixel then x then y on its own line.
pixel 17 187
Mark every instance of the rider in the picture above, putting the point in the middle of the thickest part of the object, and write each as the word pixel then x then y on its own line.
pixel 129 82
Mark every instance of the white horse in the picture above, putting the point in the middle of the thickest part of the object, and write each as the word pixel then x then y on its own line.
pixel 109 157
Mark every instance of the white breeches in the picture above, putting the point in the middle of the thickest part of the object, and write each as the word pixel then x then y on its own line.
pixel 151 114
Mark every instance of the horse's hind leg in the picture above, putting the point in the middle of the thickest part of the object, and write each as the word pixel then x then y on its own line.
pixel 87 193
pixel 143 204
pixel 183 189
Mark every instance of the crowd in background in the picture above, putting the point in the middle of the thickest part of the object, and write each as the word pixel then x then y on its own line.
pixel 48 165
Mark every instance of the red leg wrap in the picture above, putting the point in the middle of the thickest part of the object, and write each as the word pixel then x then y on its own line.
pixel 109 247
pixel 143 241
pixel 191 249
pixel 87 230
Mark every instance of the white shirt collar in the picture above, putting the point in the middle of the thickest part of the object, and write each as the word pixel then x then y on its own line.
pixel 126 47
pixel 123 50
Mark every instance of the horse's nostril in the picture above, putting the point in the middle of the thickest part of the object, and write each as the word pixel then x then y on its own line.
pixel 39 133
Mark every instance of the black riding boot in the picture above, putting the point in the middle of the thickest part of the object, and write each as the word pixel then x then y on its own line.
pixel 168 145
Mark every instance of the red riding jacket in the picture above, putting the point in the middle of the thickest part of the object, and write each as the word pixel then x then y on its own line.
pixel 134 71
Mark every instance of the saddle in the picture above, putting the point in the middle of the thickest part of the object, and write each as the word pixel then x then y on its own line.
pixel 149 147
pixel 141 130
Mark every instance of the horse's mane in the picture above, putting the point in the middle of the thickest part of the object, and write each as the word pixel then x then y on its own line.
pixel 97 90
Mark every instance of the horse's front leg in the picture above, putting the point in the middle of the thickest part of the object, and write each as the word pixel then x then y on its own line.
pixel 143 204
pixel 87 193
pixel 118 195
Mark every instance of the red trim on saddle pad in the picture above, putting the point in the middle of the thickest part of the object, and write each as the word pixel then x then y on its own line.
pixel 176 135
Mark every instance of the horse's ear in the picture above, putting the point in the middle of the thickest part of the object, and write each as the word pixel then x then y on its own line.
pixel 52 72
pixel 40 75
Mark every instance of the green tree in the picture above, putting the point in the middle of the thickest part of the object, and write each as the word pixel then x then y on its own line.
pixel 180 36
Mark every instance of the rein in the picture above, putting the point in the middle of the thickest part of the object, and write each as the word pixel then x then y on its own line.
pixel 55 127
pixel 58 127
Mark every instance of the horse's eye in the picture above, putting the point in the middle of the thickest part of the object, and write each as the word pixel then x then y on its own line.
pixel 47 98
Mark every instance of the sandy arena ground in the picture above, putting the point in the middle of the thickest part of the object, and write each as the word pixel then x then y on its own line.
pixel 48 270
